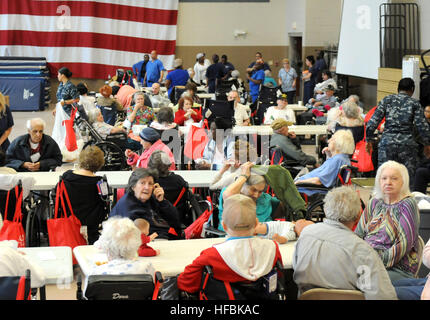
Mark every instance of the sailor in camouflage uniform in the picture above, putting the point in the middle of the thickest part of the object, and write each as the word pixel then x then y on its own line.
pixel 402 113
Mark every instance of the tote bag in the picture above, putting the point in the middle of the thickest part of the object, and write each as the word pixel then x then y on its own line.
pixel 362 159
pixel 70 140
pixel 13 230
pixel 64 230
pixel 196 141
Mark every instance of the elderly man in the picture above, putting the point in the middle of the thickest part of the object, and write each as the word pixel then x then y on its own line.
pixel 157 97
pixel 34 151
pixel 241 112
pixel 154 70
pixel 177 77
pixel 242 258
pixel 289 143
pixel 281 110
pixel 330 255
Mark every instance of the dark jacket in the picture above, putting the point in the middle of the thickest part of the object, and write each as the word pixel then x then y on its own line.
pixel 160 215
pixel 19 152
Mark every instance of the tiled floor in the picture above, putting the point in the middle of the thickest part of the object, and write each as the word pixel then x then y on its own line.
pixel 54 292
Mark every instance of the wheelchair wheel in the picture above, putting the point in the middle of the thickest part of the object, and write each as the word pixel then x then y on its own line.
pixel 315 211
pixel 114 156
pixel 32 229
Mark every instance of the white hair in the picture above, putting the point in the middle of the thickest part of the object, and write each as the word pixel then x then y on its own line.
pixel 351 110
pixel 403 171
pixel 120 238
pixel 342 204
pixel 344 141
pixel 93 114
pixel 37 121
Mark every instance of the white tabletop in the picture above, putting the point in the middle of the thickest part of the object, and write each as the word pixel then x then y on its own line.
pixel 296 107
pixel 56 262
pixel 119 179
pixel 206 95
pixel 267 130
pixel 195 178
pixel 174 255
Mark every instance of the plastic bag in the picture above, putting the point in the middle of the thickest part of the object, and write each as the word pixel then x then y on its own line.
pixel 169 290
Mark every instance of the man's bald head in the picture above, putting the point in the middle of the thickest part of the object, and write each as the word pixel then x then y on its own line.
pixel 239 215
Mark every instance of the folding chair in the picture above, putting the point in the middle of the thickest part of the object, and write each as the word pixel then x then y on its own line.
pixel 331 294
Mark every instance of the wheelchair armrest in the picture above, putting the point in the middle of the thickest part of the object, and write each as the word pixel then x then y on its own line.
pixel 312 186
pixel 158 277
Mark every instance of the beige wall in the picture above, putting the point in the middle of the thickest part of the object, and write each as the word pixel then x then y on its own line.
pixel 323 19
pixel 213 24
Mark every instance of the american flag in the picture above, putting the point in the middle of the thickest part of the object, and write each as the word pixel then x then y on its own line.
pixel 91 38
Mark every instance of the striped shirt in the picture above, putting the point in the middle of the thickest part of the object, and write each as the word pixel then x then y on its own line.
pixel 392 230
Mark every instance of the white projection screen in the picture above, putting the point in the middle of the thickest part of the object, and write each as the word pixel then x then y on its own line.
pixel 359 48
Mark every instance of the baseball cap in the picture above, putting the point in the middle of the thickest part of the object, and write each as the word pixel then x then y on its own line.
pixel 279 123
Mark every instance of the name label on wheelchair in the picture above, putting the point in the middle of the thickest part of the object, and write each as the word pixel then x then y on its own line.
pixel 103 188
pixel 270 281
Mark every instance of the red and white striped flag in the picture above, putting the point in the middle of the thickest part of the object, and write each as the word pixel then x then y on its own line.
pixel 91 38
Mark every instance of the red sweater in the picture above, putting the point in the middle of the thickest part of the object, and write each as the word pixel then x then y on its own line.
pixel 190 279
pixel 144 249
pixel 180 116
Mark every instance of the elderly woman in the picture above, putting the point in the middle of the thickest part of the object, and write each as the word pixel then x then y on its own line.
pixel 104 129
pixel 108 105
pixel 243 152
pixel 141 112
pixel 186 115
pixel 145 199
pixel 253 186
pixel 150 140
pixel 350 119
pixel 287 79
pixel 120 239
pixel 174 186
pixel 391 220
pixel 340 147
pixel 166 127
pixel 82 188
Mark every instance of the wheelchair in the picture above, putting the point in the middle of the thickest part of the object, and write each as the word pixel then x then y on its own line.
pixel 113 147
pixel 16 288
pixel 213 289
pixel 267 98
pixel 277 156
pixel 120 287
pixel 315 203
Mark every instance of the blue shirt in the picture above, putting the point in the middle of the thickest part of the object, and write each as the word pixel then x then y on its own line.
pixel 327 173
pixel 264 207
pixel 153 70
pixel 254 89
pixel 178 77
pixel 287 79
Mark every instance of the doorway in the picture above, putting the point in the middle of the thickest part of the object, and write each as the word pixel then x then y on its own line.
pixel 296 61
